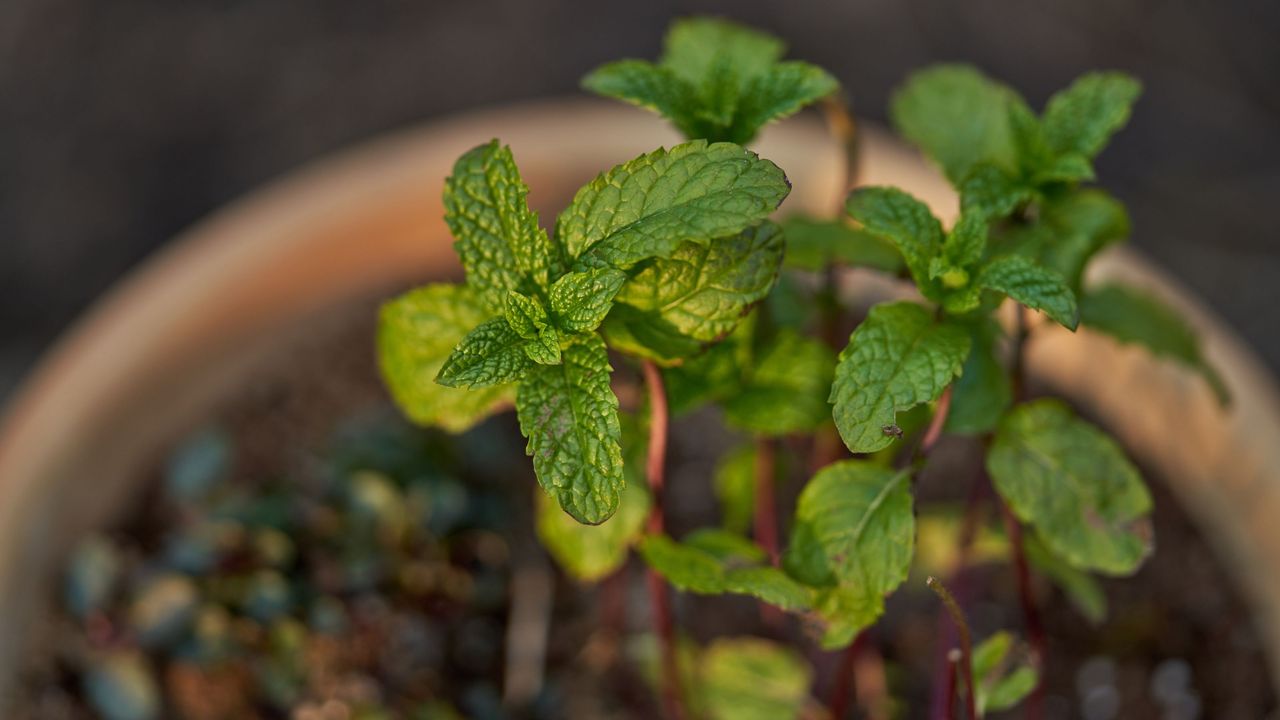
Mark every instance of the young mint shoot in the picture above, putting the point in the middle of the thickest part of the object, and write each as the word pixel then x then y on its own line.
pixel 670 262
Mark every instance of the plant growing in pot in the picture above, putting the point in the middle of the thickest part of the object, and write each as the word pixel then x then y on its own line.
pixel 713 316
pixel 668 261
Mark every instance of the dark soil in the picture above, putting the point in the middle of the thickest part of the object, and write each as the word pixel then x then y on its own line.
pixel 1177 641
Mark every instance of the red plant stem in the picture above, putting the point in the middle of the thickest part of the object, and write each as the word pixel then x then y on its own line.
pixel 953 676
pixel 966 644
pixel 838 703
pixel 766 518
pixel 936 423
pixel 766 505
pixel 659 596
pixel 1030 614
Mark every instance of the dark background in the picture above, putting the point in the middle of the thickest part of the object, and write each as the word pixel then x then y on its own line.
pixel 123 121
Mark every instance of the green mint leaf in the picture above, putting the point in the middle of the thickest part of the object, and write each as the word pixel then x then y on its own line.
pixel 967 241
pixel 525 315
pixel 416 334
pixel 1073 227
pixel 529 320
pixel 1132 316
pixel 734 484
pixel 786 388
pixel 643 335
pixel 814 244
pixel 651 87
pixel 1080 587
pixel 695 569
pixel 899 357
pixel 713 375
pixel 781 91
pixel 753 679
pixel 853 536
pixel 1030 146
pixel 958 116
pixel 581 300
pixel 716 80
pixel 703 291
pixel 650 206
pixel 1074 485
pixel 592 552
pixel 860 516
pixel 1032 285
pixel 993 192
pixel 1002 680
pixel 491 354
pixel 1082 118
pixel 982 392
pixel 1070 168
pixel 687 568
pixel 709 52
pixel 570 416
pixel 899 218
pixel 498 239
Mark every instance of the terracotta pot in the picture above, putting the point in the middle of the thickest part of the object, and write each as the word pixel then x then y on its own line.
pixel 154 355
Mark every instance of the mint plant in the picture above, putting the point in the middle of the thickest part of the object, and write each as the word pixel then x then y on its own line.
pixel 670 262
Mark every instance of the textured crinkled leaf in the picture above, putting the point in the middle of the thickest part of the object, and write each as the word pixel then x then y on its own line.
pixel 967 241
pixel 529 320
pixel 1083 117
pixel 491 354
pixel 1002 680
pixel 525 315
pixel 703 291
pixel 1032 285
pixel 649 86
pixel 906 222
pixel 1074 485
pixel 570 416
pixel 753 679
pixel 650 206
pixel 699 50
pixel 497 236
pixel 958 116
pixel 982 392
pixel 591 552
pixel 786 388
pixel 782 90
pixel 814 244
pixel 1132 316
pixel 992 191
pixel 1081 588
pixel 545 348
pixel 581 300
pixel 899 357
pixel 416 334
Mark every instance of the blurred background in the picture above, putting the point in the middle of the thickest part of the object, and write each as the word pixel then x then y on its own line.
pixel 123 122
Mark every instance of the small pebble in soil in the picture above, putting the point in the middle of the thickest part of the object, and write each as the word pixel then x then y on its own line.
pixel 163 609
pixel 120 686
pixel 198 464
pixel 92 575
